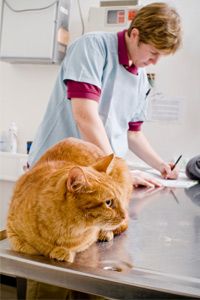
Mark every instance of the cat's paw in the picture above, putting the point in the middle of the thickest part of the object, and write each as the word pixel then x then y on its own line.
pixel 62 254
pixel 105 236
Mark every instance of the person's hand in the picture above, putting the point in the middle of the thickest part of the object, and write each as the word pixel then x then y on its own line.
pixel 140 178
pixel 167 172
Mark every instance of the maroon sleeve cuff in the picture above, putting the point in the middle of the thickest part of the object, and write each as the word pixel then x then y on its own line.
pixel 135 126
pixel 84 90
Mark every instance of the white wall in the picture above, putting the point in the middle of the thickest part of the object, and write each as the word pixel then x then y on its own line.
pixel 25 88
pixel 178 75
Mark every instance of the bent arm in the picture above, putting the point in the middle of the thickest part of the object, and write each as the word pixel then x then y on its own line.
pixel 89 123
pixel 139 145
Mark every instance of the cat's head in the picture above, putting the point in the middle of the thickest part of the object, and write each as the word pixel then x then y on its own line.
pixel 96 194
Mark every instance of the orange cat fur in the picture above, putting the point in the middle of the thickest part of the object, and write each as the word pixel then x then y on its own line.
pixel 73 196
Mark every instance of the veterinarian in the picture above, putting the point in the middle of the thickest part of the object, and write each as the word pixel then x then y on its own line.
pixel 101 89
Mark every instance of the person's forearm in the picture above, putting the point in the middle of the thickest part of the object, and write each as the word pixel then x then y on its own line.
pixel 90 125
pixel 94 132
pixel 139 145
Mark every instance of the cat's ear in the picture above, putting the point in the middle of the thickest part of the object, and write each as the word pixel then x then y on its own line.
pixel 76 180
pixel 105 164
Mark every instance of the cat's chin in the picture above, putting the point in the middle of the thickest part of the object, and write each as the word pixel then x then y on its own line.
pixel 105 236
pixel 123 227
pixel 115 227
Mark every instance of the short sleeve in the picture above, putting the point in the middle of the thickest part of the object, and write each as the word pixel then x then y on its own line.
pixel 82 90
pixel 85 60
pixel 135 126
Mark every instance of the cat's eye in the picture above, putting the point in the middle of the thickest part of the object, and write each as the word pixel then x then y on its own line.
pixel 109 202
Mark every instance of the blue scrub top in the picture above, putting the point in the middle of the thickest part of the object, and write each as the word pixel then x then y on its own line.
pixel 93 58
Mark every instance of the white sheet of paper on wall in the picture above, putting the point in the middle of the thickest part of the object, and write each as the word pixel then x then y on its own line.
pixel 164 108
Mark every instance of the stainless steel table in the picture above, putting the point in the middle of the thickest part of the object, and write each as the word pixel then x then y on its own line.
pixel 159 252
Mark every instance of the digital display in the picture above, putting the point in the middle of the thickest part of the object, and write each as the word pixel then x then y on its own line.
pixel 116 16
pixel 120 16
pixel 131 14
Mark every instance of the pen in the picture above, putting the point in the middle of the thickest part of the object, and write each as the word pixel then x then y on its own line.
pixel 172 168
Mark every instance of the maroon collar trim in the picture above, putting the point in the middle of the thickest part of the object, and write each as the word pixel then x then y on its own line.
pixel 123 54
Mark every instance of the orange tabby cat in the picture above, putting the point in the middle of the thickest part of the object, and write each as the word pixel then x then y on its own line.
pixel 73 196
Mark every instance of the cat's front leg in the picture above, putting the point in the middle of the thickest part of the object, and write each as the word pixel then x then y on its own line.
pixel 105 236
pixel 62 254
